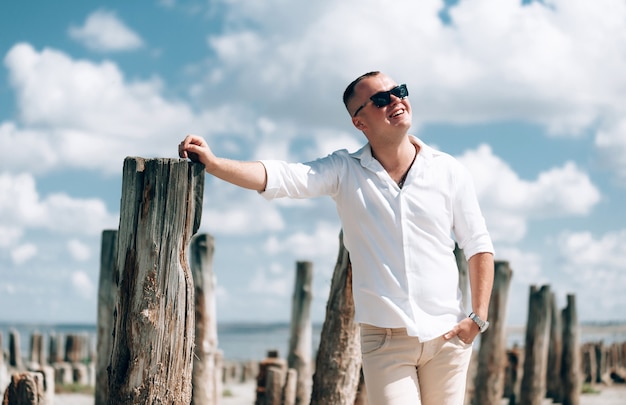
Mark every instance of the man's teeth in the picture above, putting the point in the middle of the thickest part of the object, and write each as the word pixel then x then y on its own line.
pixel 397 113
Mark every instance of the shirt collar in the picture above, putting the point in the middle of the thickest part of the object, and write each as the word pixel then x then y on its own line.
pixel 365 153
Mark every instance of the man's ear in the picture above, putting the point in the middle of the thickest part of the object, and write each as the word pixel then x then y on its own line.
pixel 356 121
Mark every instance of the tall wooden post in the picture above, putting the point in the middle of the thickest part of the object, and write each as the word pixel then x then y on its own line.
pixel 291 387
pixel 272 361
pixel 570 369
pixel 274 386
pixel 553 378
pixel 151 357
pixel 300 341
pixel 533 388
pixel 600 363
pixel 107 295
pixel 3 368
pixel 55 350
pixel 36 350
pixel 461 264
pixel 338 364
pixel 74 348
pixel 207 376
pixel 490 373
pixel 15 353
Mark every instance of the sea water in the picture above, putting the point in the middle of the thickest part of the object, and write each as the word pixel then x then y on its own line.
pixel 237 341
pixel 251 341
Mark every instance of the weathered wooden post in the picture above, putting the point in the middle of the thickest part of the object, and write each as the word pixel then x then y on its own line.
pixel 107 296
pixel 600 363
pixel 361 393
pixel 63 374
pixel 338 364
pixel 490 373
pixel 4 374
pixel 25 389
pixel 265 382
pixel 55 349
pixel 207 376
pixel 36 357
pixel 74 348
pixel 274 386
pixel 533 388
pixel 570 369
pixel 290 389
pixel 75 352
pixel 15 353
pixel 151 356
pixel 553 378
pixel 589 362
pixel 300 341
pixel 511 379
pixel 461 264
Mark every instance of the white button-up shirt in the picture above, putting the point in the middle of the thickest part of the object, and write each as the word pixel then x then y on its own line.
pixel 401 241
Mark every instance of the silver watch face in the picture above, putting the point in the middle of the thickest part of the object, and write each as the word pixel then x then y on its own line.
pixel 482 325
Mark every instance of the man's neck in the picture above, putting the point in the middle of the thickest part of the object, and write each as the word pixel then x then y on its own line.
pixel 395 157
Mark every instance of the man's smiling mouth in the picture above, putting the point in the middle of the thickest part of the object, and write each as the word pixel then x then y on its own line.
pixel 397 113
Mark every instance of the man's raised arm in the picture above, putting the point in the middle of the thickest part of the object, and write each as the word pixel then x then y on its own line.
pixel 249 175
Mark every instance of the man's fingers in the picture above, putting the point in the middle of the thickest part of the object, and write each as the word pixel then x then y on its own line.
pixel 451 334
pixel 182 150
pixel 189 142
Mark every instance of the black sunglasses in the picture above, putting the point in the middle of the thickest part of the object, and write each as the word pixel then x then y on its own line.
pixel 384 97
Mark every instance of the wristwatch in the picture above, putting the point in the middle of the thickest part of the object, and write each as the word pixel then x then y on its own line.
pixel 482 325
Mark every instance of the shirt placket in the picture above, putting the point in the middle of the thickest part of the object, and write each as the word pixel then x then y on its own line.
pixel 407 256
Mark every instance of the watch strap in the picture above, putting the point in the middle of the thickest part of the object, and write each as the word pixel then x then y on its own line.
pixel 482 324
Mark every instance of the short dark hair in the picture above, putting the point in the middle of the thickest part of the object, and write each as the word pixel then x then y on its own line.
pixel 349 92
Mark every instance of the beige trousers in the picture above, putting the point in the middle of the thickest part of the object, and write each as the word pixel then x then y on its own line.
pixel 401 370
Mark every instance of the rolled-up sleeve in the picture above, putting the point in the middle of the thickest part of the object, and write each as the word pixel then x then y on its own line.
pixel 470 228
pixel 302 180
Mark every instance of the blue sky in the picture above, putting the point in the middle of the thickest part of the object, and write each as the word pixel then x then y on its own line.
pixel 528 95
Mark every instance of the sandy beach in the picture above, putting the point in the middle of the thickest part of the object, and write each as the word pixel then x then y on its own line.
pixel 243 394
pixel 238 394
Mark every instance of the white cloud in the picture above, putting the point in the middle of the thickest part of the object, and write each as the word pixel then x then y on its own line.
pixel 512 52
pixel 9 235
pixel 270 88
pixel 557 63
pixel 21 208
pixel 86 115
pixel 7 288
pixel 23 253
pixel 271 283
pixel 103 31
pixel 78 250
pixel 527 268
pixel 35 141
pixel 330 141
pixel 242 219
pixel 82 284
pixel 231 210
pixel 508 201
pixel 563 191
pixel 594 271
pixel 19 200
pixel 611 144
pixel 323 243
pixel 582 249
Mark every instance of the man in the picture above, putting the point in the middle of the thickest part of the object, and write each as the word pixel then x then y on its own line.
pixel 400 203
